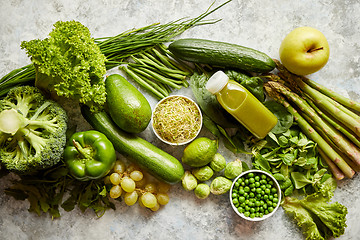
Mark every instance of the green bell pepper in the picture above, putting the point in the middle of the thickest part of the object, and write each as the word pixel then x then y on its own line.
pixel 89 155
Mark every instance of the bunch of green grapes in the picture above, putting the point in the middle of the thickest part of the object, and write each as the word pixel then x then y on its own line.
pixel 130 183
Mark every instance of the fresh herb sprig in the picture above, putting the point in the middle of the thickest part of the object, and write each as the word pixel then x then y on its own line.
pixel 47 190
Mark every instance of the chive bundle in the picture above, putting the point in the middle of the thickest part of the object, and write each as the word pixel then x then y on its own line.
pixel 156 72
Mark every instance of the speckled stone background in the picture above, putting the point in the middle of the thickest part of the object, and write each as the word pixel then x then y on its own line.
pixel 260 24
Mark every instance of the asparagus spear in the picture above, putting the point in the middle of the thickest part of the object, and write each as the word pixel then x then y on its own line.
pixel 348 118
pixel 338 174
pixel 312 134
pixel 330 93
pixel 336 124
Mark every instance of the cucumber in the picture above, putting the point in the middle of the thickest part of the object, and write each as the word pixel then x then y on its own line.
pixel 222 54
pixel 127 106
pixel 149 157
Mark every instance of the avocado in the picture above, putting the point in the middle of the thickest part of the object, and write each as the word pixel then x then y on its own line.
pixel 127 106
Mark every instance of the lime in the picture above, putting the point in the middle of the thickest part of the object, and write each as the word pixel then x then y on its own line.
pixel 200 152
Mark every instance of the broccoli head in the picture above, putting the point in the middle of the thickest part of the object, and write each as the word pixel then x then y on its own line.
pixel 32 131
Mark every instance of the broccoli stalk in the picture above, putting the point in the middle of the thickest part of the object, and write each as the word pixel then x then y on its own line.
pixel 32 131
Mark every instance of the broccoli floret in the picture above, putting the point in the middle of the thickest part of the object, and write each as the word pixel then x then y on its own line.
pixel 32 131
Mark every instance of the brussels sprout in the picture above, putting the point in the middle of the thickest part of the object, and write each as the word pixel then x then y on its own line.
pixel 202 191
pixel 204 173
pixel 220 185
pixel 218 163
pixel 188 181
pixel 233 169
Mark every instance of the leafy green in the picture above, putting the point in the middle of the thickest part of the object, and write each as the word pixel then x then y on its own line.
pixel 255 85
pixel 46 190
pixel 293 156
pixel 69 64
pixel 318 218
pixel 285 119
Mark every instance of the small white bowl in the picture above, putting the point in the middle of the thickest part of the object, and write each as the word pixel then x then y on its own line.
pixel 172 143
pixel 255 219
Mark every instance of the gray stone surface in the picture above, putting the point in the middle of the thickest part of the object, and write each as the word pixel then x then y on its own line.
pixel 260 24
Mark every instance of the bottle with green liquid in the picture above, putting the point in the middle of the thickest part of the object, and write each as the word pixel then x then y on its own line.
pixel 241 104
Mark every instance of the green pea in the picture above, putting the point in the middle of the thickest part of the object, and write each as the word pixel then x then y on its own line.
pixel 241 192
pixel 237 184
pixel 271 209
pixel 234 195
pixel 235 201
pixel 241 199
pixel 251 175
pixel 265 206
pixel 257 203
pixel 252 210
pixel 252 215
pixel 247 214
pixel 246 181
pixel 273 190
pixel 240 209
pixel 261 209
pixel 261 215
pixel 257 184
pixel 246 189
pixel 271 197
pixel 251 180
pixel 266 197
pixel 274 205
pixel 257 178
pixel 266 212
pixel 275 200
pixel 247 208
pixel 263 176
pixel 257 214
pixel 252 195
pixel 267 190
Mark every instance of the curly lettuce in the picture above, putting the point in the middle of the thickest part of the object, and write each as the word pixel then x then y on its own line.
pixel 318 218
pixel 69 64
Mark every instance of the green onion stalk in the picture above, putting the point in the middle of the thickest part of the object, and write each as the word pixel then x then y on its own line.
pixel 120 47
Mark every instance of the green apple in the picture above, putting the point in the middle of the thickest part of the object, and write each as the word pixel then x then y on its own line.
pixel 304 50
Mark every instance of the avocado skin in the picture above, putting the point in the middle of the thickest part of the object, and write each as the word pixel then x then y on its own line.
pixel 127 106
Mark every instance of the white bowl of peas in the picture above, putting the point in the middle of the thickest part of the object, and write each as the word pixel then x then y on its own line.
pixel 255 195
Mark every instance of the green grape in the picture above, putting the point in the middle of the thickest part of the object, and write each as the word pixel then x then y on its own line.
pixel 115 178
pixel 149 200
pixel 119 167
pixel 136 175
pixel 115 191
pixel 163 187
pixel 141 183
pixel 131 198
pixel 150 187
pixel 132 167
pixel 107 180
pixel 154 209
pixel 127 184
pixel 162 198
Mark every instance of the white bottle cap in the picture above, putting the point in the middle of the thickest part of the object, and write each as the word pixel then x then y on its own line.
pixel 217 82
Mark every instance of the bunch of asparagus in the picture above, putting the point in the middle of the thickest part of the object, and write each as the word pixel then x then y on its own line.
pixel 326 117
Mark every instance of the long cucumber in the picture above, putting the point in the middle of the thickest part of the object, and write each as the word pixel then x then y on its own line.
pixel 149 157
pixel 222 54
